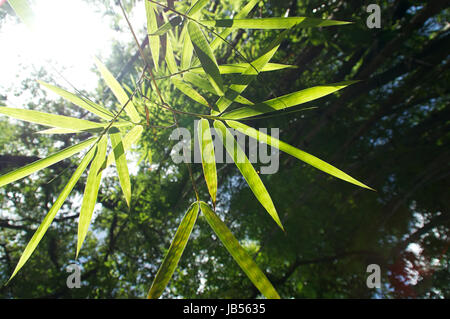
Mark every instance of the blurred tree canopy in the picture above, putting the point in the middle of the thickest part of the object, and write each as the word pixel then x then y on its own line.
pixel 390 130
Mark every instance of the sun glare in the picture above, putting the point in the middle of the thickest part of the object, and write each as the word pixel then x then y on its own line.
pixel 68 31
pixel 66 36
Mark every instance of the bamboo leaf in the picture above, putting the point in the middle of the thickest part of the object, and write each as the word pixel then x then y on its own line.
pixel 253 69
pixel 208 157
pixel 81 102
pixel 173 256
pixel 130 138
pixel 170 57
pixel 287 101
pixel 204 84
pixel 23 11
pixel 189 91
pixel 188 50
pixel 48 119
pixel 241 67
pixel 291 150
pixel 43 163
pixel 152 26
pixel 206 57
pixel 91 192
pixel 239 254
pixel 118 91
pixel 225 33
pixel 247 170
pixel 195 9
pixel 121 164
pixel 34 241
pixel 166 27
pixel 58 130
pixel 271 23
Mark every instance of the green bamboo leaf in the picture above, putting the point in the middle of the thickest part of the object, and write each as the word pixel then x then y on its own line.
pixel 253 69
pixel 130 138
pixel 241 67
pixel 206 57
pixel 118 91
pixel 208 157
pixel 226 32
pixel 81 102
pixel 204 84
pixel 121 164
pixel 58 130
pixel 152 26
pixel 291 150
pixel 166 27
pixel 188 50
pixel 271 23
pixel 189 91
pixel 34 241
pixel 276 114
pixel 173 256
pixel 91 192
pixel 240 15
pixel 23 10
pixel 170 57
pixel 48 119
pixel 247 170
pixel 195 9
pixel 239 254
pixel 43 163
pixel 286 101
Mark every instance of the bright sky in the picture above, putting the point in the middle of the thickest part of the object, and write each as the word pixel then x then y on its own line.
pixel 68 34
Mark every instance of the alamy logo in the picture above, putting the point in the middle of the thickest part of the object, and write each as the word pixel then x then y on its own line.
pixel 258 152
pixel 374 19
pixel 73 280
pixel 374 279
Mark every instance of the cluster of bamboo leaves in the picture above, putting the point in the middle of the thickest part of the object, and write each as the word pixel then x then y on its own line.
pixel 191 67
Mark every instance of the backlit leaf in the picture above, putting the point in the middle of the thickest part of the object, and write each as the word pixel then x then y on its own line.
pixel 91 192
pixel 208 157
pixel 121 164
pixel 166 27
pixel 170 57
pixel 287 101
pixel 247 170
pixel 271 23
pixel 206 57
pixel 152 26
pixel 188 50
pixel 241 67
pixel 48 119
pixel 23 10
pixel 118 91
pixel 239 15
pixel 204 84
pixel 34 241
pixel 45 162
pixel 127 141
pixel 253 69
pixel 239 254
pixel 301 155
pixel 80 101
pixel 173 256
pixel 195 9
pixel 189 91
